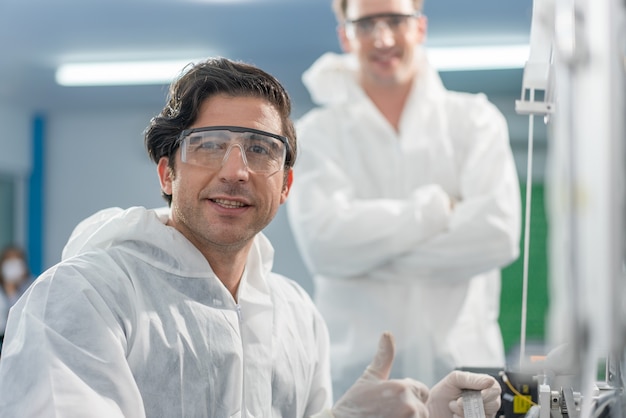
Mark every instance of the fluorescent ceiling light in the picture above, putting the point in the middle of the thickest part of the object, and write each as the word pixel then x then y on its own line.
pixel 478 57
pixel 120 73
pixel 164 72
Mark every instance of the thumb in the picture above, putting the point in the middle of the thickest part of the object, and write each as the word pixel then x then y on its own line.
pixel 380 367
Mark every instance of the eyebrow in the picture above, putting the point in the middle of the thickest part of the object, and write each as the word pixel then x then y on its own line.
pixel 377 15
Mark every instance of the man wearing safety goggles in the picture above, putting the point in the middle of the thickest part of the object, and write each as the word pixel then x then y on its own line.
pixel 177 313
pixel 405 202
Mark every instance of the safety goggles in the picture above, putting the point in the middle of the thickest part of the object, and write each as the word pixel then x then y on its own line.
pixel 366 27
pixel 262 152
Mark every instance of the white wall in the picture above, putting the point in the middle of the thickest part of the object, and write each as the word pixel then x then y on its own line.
pixel 15 140
pixel 15 163
pixel 96 159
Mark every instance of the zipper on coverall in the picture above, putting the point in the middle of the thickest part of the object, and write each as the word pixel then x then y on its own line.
pixel 243 381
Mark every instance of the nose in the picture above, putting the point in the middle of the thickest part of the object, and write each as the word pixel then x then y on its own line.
pixel 382 34
pixel 236 167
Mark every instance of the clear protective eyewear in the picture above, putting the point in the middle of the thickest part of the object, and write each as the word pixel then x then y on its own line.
pixel 365 27
pixel 262 152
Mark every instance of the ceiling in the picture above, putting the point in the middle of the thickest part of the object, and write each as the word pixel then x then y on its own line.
pixel 281 36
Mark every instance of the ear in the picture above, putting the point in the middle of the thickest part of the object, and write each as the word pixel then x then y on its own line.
pixel 422 27
pixel 165 175
pixel 286 186
pixel 344 41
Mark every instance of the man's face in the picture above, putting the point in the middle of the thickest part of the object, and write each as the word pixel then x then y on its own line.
pixel 223 208
pixel 384 45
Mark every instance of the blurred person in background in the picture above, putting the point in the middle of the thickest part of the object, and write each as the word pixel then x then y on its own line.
pixel 15 277
pixel 405 202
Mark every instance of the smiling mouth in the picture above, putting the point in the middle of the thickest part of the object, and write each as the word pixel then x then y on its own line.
pixel 385 54
pixel 229 203
pixel 385 58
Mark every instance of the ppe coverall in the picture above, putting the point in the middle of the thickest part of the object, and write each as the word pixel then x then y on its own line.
pixel 405 231
pixel 134 323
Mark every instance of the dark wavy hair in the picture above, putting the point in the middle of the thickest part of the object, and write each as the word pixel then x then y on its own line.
pixel 215 76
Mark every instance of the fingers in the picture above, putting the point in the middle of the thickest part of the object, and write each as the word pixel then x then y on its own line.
pixel 491 402
pixel 404 398
pixel 421 411
pixel 460 381
pixel 488 386
pixel 380 367
pixel 475 381
pixel 491 396
pixel 395 398
pixel 419 390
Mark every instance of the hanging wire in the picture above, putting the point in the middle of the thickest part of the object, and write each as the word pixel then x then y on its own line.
pixel 529 177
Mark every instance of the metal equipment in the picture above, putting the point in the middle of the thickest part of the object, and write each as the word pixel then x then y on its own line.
pixel 576 79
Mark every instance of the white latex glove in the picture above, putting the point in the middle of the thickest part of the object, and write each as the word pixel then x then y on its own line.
pixel 445 399
pixel 373 395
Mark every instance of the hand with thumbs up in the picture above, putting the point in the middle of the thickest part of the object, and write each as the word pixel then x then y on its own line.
pixel 374 395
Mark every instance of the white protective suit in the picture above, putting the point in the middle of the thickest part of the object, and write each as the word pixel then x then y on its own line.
pixel 133 323
pixel 370 212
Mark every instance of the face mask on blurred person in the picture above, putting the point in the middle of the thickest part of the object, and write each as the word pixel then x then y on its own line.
pixel 13 270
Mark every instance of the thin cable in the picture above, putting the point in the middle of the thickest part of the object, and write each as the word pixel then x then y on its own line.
pixel 525 398
pixel 529 177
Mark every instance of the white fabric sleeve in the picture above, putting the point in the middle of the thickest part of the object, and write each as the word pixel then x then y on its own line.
pixel 340 235
pixel 484 230
pixel 66 358
pixel 327 413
